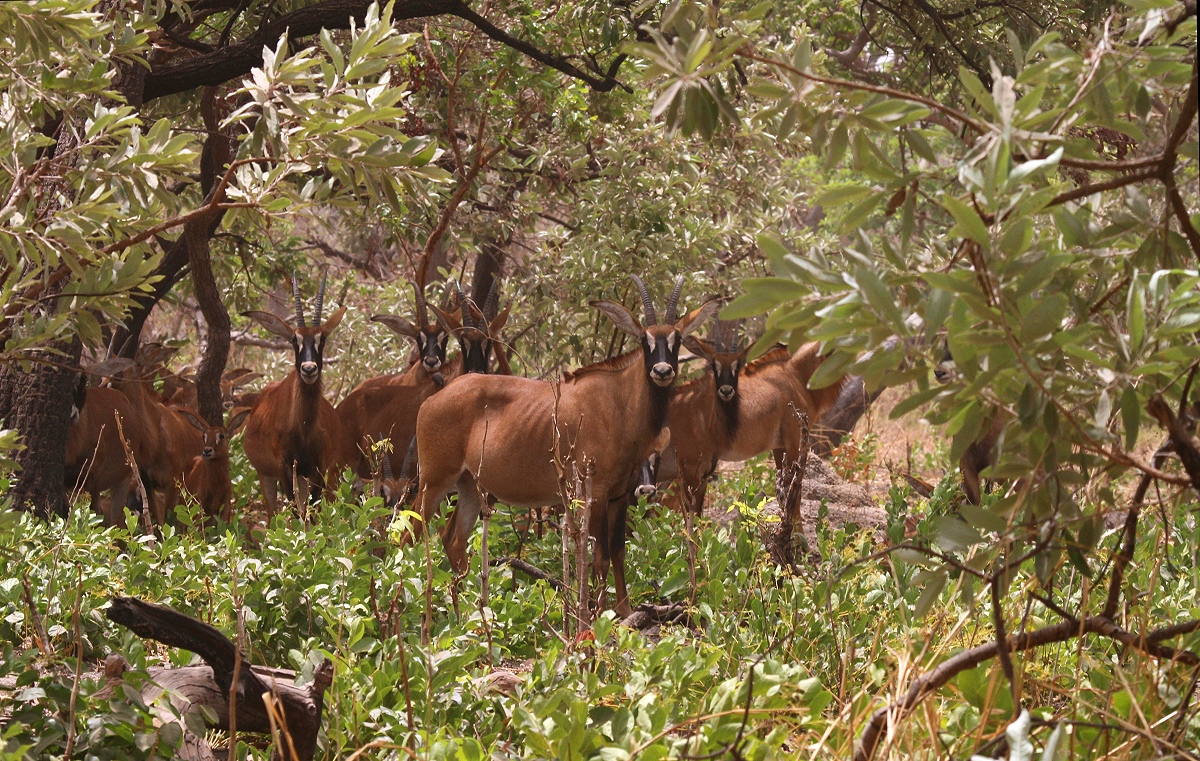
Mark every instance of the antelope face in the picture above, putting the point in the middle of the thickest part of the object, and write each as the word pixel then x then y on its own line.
pixel 309 346
pixel 946 370
pixel 725 369
pixel 431 344
pixel 660 348
pixel 78 398
pixel 648 477
pixel 214 440
pixel 476 350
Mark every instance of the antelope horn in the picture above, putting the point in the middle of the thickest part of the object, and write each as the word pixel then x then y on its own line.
pixel 468 319
pixel 406 468
pixel 422 312
pixel 296 298
pixel 491 305
pixel 321 297
pixel 386 465
pixel 737 334
pixel 647 303
pixel 673 303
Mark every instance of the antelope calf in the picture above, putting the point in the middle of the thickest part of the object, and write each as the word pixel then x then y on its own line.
pixel 292 427
pixel 738 411
pixel 95 458
pixel 509 437
pixel 208 477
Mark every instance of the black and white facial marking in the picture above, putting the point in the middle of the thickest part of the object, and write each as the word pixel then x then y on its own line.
pixel 431 344
pixel 310 350
pixel 476 351
pixel 725 369
pixel 213 439
pixel 660 348
pixel 78 398
pixel 946 370
pixel 647 480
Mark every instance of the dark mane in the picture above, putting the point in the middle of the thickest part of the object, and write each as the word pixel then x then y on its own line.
pixel 774 356
pixel 613 364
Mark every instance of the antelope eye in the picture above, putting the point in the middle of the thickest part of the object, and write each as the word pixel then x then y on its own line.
pixel 220 437
pixel 717 366
pixel 672 341
pixel 421 341
pixel 651 341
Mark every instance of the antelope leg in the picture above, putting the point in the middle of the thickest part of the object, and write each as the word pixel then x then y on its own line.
pixel 458 529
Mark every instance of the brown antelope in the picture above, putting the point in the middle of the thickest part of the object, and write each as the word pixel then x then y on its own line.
pixel 508 436
pixel 981 453
pixel 166 442
pixel 208 477
pixel 370 414
pixel 292 428
pixel 95 457
pixel 183 391
pixel 738 410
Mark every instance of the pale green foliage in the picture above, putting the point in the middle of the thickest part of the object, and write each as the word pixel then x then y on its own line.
pixel 1059 311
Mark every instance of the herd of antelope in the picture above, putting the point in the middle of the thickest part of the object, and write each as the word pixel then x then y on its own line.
pixel 462 425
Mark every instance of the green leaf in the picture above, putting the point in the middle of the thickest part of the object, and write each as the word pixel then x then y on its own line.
pixel 913 401
pixel 1045 318
pixel 955 535
pixel 879 297
pixel 837 195
pixel 929 595
pixel 968 223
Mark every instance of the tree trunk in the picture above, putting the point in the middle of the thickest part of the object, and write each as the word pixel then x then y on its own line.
pixel 839 421
pixel 37 402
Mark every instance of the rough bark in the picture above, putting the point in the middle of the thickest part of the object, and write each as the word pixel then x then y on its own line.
pixel 300 705
pixel 851 404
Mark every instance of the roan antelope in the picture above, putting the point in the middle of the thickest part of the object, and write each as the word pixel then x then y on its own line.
pixel 389 411
pixel 292 428
pixel 738 410
pixel 95 458
pixel 501 435
pixel 165 443
pixel 208 477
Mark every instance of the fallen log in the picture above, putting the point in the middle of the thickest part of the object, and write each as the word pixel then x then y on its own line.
pixel 261 691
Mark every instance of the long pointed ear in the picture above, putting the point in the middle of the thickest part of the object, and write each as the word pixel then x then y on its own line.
pixel 699 346
pixel 196 421
pixel 499 322
pixel 696 318
pixel 662 440
pixel 621 317
pixel 398 325
pixel 272 323
pixel 237 419
pixel 451 322
pixel 331 324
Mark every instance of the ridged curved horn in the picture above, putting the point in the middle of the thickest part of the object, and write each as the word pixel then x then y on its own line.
pixel 296 298
pixel 406 468
pixel 422 312
pixel 673 303
pixel 737 334
pixel 468 319
pixel 321 297
pixel 647 303
pixel 491 305
pixel 386 466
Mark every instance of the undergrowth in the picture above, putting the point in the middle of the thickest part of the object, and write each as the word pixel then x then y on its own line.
pixel 825 647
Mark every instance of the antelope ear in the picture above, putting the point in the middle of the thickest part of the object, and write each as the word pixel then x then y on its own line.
pixel 399 325
pixel 451 322
pixel 331 324
pixel 696 318
pixel 662 441
pixel 499 322
pixel 244 379
pixel 697 345
pixel 237 419
pixel 621 317
pixel 196 421
pixel 272 323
